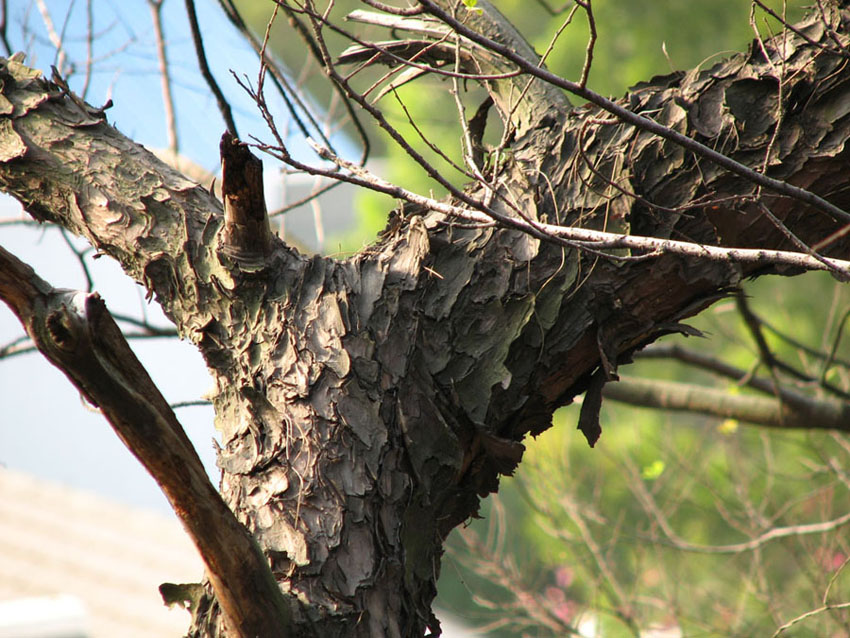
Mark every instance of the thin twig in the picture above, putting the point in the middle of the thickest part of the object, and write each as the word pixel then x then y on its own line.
pixel 641 122
pixel 799 243
pixel 571 237
pixel 80 256
pixel 591 40
pixel 829 30
pixel 314 50
pixel 486 558
pixel 304 200
pixel 550 10
pixel 828 361
pixel 425 140
pixel 799 344
pixel 19 345
pixel 279 78
pixel 510 128
pixel 3 27
pixel 809 614
pixel 766 355
pixel 773 534
pixel 55 39
pixel 409 11
pixel 528 225
pixel 716 366
pixel 199 403
pixel 754 325
pixel 787 25
pixel 162 57
pixel 200 52
pixel 89 49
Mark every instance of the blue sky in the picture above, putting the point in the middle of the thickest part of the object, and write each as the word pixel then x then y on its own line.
pixel 127 67
pixel 44 427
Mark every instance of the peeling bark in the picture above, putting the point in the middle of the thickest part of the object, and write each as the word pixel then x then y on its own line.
pixel 366 405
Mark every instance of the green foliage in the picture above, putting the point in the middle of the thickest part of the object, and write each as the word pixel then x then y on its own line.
pixel 637 40
pixel 471 4
pixel 629 532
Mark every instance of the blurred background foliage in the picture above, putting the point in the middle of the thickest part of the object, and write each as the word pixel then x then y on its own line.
pixel 640 536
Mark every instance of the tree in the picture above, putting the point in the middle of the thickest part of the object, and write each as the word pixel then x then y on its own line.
pixel 367 404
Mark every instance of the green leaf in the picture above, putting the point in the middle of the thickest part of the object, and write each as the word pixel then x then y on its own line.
pixel 653 470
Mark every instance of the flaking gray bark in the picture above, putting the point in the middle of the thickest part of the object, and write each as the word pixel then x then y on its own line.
pixel 366 404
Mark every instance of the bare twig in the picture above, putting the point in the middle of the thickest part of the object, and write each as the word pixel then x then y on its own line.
pixel 488 559
pixel 199 403
pixel 809 614
pixel 148 329
pixel 165 78
pixel 89 65
pixel 829 30
pixel 426 141
pixel 409 11
pixel 722 369
pixel 80 257
pixel 830 358
pixel 572 237
pixel 20 345
pixel 306 199
pixel 797 343
pixel 799 243
pixel 614 587
pixel 591 40
pixel 766 355
pixel 641 122
pixel 3 26
pixel 787 25
pixel 554 12
pixel 280 80
pixel 773 534
pixel 60 61
pixel 569 237
pixel 200 52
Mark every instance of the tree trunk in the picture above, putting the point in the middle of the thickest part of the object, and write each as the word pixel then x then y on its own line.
pixel 365 405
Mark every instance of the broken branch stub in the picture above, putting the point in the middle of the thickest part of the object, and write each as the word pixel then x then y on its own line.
pixel 247 236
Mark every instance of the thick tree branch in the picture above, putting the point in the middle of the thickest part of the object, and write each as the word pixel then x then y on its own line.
pixel 164 230
pixel 804 413
pixel 76 333
pixel 743 377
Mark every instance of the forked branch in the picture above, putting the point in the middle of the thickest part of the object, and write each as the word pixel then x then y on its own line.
pixel 76 333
